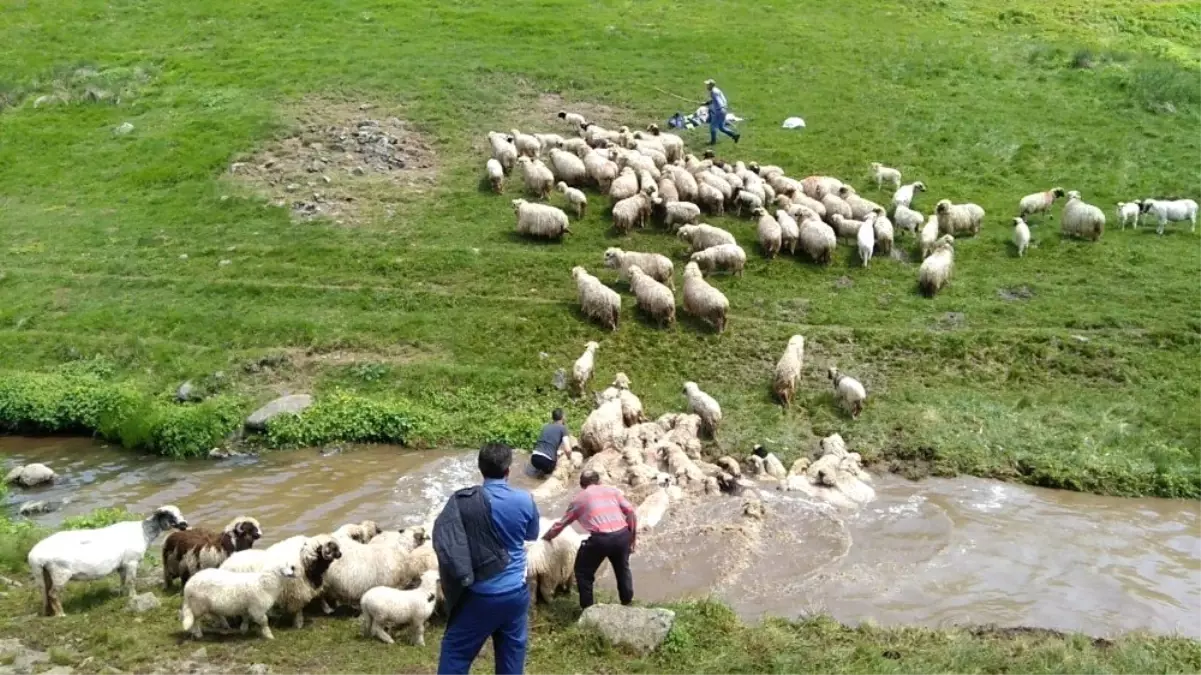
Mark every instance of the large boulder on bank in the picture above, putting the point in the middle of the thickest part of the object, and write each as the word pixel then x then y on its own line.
pixel 30 475
pixel 641 629
pixel 283 405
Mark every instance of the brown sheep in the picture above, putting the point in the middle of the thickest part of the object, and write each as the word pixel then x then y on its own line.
pixel 186 553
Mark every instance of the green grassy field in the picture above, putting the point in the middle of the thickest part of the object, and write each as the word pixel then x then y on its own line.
pixel 1087 380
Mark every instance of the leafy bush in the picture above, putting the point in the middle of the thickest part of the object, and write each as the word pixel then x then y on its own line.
pixel 98 518
pixel 190 431
pixel 340 416
pixel 1160 86
pixel 16 538
pixel 519 430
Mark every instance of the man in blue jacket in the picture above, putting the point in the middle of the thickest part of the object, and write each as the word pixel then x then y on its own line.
pixel 479 539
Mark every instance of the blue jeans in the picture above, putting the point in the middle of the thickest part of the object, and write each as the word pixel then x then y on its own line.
pixel 717 122
pixel 503 617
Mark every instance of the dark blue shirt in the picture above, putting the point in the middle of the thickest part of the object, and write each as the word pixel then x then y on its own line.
pixel 550 439
pixel 515 516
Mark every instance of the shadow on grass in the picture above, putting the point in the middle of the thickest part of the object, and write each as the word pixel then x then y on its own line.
pixel 88 599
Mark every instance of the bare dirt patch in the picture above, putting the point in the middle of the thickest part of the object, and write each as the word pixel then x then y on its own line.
pixel 549 106
pixel 349 162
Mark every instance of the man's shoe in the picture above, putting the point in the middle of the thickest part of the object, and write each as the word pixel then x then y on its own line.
pixel 736 137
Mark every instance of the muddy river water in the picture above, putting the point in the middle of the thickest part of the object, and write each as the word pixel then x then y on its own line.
pixel 935 552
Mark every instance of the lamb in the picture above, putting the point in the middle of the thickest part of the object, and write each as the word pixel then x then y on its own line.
pixel 701 237
pixel 631 406
pixel 574 120
pixel 96 553
pixel 849 393
pixel 658 266
pixel 866 239
pixel 884 232
pixel 705 406
pixel 384 607
pixel 1084 220
pixel 496 175
pixel 928 235
pixel 540 220
pixel 846 228
pixel 600 169
pixel 789 231
pixel 550 565
pixel 770 465
pixel 603 429
pixel 362 567
pixel 624 186
pixel 312 557
pixel 503 150
pixel 770 233
pixel 631 212
pixel 527 144
pixel 222 593
pixel 818 241
pixel 703 300
pixel 788 371
pixel 905 194
pixel 1128 212
pixel 726 257
pixel 581 371
pixel 747 200
pixel 186 553
pixel 576 198
pixel 549 141
pixel 597 301
pixel 958 219
pixel 678 213
pixel 1169 211
pixel 361 532
pixel 1021 236
pixel 935 271
pixel 730 465
pixel 1039 202
pixel 711 199
pixel 652 297
pixel 907 219
pixel 884 174
pixel 568 168
pixel 860 207
pixel 539 180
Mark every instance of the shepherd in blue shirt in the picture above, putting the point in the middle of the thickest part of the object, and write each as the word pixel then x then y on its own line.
pixel 718 107
pixel 491 532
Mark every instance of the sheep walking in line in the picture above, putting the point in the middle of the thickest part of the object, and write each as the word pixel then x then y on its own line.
pixel 849 392
pixel 788 370
pixel 905 194
pixel 224 594
pixel 958 219
pixel 818 241
pixel 496 175
pixel 1129 212
pixel 1081 219
pixel 568 168
pixel 928 235
pixel 653 298
pixel 385 607
pixel 527 144
pixel 702 300
pixel 790 232
pixel 770 234
pixel 656 265
pixel 1021 236
pixel 1038 203
pixel 539 180
pixel 598 302
pixel 581 370
pixel 631 212
pixel 540 220
pixel 503 150
pixel 884 232
pixel 867 239
pixel 96 553
pixel 701 237
pixel 884 174
pixel 1170 211
pixel 188 551
pixel 576 198
pixel 705 406
pixel 936 270
pixel 726 257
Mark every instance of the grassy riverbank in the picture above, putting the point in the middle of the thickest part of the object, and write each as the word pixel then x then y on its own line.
pixel 134 260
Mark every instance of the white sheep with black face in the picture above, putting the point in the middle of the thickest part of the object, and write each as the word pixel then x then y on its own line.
pixel 311 556
pixel 187 552
pixel 1171 211
pixel 361 567
pixel 1081 219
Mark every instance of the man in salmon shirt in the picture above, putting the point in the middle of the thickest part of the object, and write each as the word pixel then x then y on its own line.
pixel 610 520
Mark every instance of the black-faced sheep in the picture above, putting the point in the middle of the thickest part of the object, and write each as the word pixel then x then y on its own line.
pixel 187 552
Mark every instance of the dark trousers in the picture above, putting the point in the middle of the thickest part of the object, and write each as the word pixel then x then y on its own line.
pixel 614 546
pixel 503 617
pixel 543 464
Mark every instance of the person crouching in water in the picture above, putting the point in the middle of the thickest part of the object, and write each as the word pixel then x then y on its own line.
pixel 554 440
pixel 610 520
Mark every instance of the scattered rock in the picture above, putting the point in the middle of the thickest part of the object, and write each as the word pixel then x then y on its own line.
pixel 9 582
pixel 224 453
pixel 31 475
pixel 1080 338
pixel 1018 293
pixel 109 670
pixel 199 655
pixel 292 187
pixel 223 263
pixel 843 283
pixel 183 256
pixel 185 391
pixel 236 167
pixel 258 669
pixel 953 319
pixel 10 646
pixel 293 404
pixel 331 451
pixel 642 629
pixel 59 670
pixel 142 602
pixel 559 381
pixel 38 507
pixel 543 356
pixel 123 129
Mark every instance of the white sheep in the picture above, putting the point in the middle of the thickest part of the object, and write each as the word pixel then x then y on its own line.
pixel 95 553
pixel 581 370
pixel 574 120
pixel 1128 213
pixel 527 144
pixel 658 266
pixel 725 257
pixel 549 141
pixel 603 429
pixel 496 175
pixel 907 219
pixel 790 232
pixel 747 200
pixel 1170 211
pixel 384 607
pixel 703 300
pixel 667 193
pixel 539 180
pixel 568 168
pixel 631 406
pixel 884 232
pixel 624 186
pixel 631 212
pixel 716 181
pixel 652 297
pixel 597 301
pixel 577 145
pixel 223 594
pixel 503 150
pixel 1039 202
pixel 652 509
pixel 685 183
pixel 677 213
pixel 928 235
pixel 958 219
pixel 704 406
pixel 844 227
pixel 702 236
pixel 540 220
pixel 860 206
pixel 710 199
pixel 835 206
pixel 673 145
pixel 770 234
pixel 550 565
pixel 1021 236
pixel 884 174
pixel 1081 219
pixel 361 532
pixel 819 186
pixel 381 562
pixel 576 198
pixel 312 557
pixel 905 194
pixel 818 241
pixel 848 391
pixel 601 170
pixel 788 371
pixel 936 270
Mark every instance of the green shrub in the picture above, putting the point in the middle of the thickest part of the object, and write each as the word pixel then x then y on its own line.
pixel 517 429
pixel 340 416
pixel 98 518
pixel 16 538
pixel 1160 86
pixel 190 431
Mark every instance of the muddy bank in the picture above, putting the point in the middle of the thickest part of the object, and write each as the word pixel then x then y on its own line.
pixel 935 552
